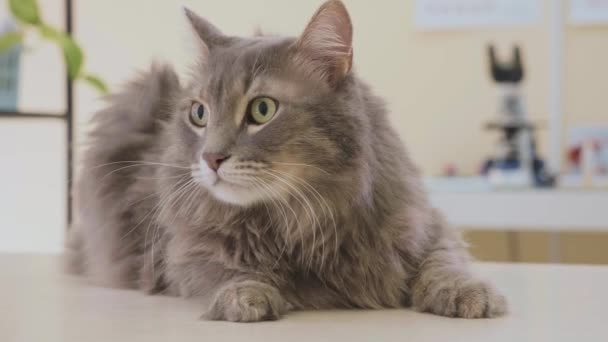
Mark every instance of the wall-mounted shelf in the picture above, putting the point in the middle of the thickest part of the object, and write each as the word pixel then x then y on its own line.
pixel 26 115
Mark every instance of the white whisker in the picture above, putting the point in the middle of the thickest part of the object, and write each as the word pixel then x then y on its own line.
pixel 271 221
pixel 327 210
pixel 139 163
pixel 282 203
pixel 150 212
pixel 308 208
pixel 302 164
pixel 163 206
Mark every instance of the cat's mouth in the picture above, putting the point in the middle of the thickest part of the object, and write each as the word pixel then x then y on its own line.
pixel 224 188
pixel 211 179
pixel 233 192
pixel 220 182
pixel 220 179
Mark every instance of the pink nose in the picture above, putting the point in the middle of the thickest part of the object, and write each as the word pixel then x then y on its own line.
pixel 214 160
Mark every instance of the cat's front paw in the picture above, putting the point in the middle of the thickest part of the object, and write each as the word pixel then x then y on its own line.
pixel 466 299
pixel 247 301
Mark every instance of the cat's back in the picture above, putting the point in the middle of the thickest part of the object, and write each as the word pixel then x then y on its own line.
pixel 133 114
pixel 127 130
pixel 122 137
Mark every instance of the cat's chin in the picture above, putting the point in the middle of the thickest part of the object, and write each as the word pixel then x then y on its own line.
pixel 234 194
pixel 223 190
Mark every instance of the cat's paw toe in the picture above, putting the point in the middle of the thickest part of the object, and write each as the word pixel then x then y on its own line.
pixel 247 301
pixel 479 300
pixel 471 299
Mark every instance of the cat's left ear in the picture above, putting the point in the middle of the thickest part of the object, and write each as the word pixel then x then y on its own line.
pixel 327 41
pixel 210 36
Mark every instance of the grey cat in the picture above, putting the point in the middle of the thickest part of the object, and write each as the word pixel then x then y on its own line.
pixel 271 182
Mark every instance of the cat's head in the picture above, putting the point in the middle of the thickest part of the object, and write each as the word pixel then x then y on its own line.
pixel 266 116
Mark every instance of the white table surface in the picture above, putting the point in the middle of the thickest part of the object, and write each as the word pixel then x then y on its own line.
pixel 548 303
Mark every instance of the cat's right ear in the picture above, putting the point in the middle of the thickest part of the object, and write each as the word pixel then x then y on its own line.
pixel 327 42
pixel 210 36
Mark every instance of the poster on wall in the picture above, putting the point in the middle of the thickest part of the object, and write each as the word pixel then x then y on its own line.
pixel 460 14
pixel 588 12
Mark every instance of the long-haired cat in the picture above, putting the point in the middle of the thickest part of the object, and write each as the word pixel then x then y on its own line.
pixel 271 182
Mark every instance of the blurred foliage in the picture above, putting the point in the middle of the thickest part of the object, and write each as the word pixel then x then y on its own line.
pixel 27 13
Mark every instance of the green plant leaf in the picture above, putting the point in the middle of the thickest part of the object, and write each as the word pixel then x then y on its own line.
pixel 26 11
pixel 49 32
pixel 9 39
pixel 72 53
pixel 73 56
pixel 96 83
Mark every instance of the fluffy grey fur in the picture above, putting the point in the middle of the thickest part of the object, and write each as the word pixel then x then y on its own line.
pixel 318 208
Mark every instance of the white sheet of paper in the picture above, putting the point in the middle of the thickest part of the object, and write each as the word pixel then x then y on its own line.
pixel 458 14
pixel 588 12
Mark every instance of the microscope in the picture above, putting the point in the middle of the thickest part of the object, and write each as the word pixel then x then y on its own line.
pixel 515 163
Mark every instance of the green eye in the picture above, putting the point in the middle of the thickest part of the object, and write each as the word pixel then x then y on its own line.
pixel 262 109
pixel 198 115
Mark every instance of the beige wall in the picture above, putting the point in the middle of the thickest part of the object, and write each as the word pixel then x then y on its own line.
pixel 435 82
pixel 586 75
pixel 436 85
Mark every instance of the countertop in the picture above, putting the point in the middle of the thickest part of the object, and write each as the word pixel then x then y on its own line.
pixel 38 302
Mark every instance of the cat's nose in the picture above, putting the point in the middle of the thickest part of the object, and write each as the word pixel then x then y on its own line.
pixel 214 160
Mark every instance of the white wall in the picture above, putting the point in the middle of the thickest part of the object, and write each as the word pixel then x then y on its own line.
pixel 32 152
pixel 32 183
